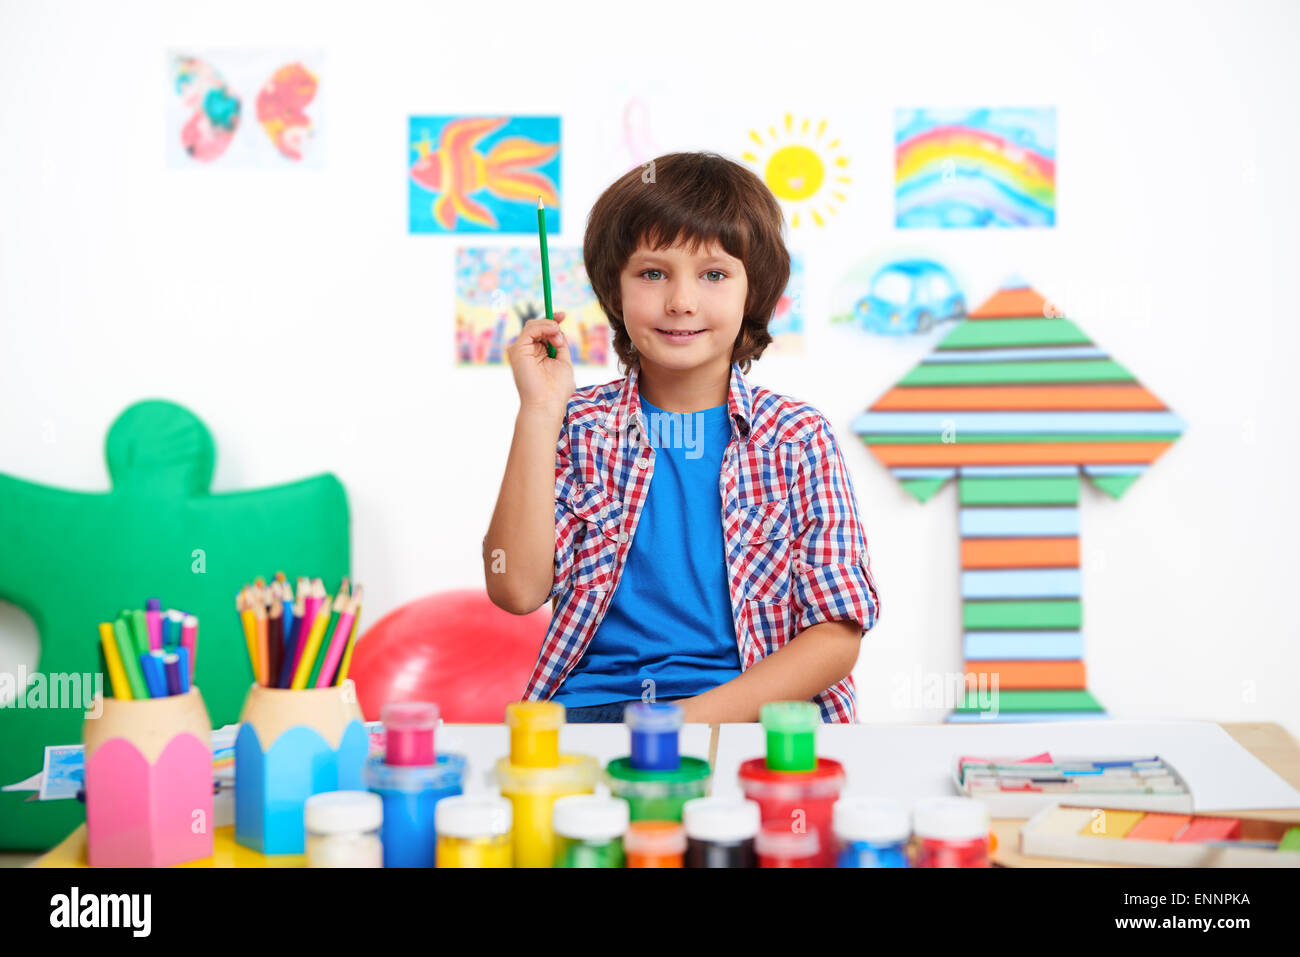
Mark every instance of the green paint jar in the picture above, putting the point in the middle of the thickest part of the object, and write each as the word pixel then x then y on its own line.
pixel 589 830
pixel 791 728
pixel 657 795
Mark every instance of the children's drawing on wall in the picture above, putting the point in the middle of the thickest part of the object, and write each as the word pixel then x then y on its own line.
pixel 786 326
pixel 498 289
pixel 975 167
pixel 901 297
pixel 244 109
pixel 483 174
pixel 804 165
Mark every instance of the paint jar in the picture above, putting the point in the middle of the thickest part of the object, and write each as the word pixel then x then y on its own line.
pixel 654 729
pixel 148 776
pixel 791 728
pixel 954 832
pixel 589 830
pixel 534 733
pixel 342 829
pixel 410 796
pixel 532 793
pixel 787 796
pixel 778 846
pixel 408 732
pixel 654 844
pixel 871 832
pixel 720 832
pixel 292 744
pixel 474 831
pixel 658 795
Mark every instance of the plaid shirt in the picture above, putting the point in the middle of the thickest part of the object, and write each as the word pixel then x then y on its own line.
pixel 795 551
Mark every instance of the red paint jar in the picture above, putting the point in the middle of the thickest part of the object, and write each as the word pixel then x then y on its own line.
pixel 778 846
pixel 953 831
pixel 797 800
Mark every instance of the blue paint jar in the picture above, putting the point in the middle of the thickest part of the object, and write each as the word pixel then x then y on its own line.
pixel 871 832
pixel 411 794
pixel 654 730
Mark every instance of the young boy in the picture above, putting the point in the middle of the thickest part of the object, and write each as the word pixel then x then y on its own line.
pixel 698 537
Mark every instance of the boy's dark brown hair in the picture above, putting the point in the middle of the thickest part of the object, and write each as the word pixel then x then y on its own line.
pixel 696 199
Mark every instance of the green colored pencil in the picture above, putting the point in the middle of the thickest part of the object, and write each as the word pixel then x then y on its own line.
pixel 546 267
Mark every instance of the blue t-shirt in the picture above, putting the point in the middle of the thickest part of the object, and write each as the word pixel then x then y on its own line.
pixel 669 619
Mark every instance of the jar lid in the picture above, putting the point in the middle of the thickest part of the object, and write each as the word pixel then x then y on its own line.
pixel 535 715
pixel 825 780
pixel 590 817
pixel 721 819
pixel 343 812
pixel 473 816
pixel 790 717
pixel 409 715
pixel 642 717
pixel 775 839
pixel 876 820
pixel 951 819
pixel 689 771
pixel 654 838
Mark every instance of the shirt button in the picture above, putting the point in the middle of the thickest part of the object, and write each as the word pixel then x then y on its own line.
pixel 622 537
pixel 767 524
pixel 642 462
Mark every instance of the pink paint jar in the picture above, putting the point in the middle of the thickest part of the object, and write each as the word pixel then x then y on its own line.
pixel 953 831
pixel 408 729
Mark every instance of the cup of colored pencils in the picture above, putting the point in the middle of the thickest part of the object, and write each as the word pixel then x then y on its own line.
pixel 299 638
pixel 149 653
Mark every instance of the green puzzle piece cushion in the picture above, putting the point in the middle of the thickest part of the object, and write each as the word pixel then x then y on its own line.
pixel 73 559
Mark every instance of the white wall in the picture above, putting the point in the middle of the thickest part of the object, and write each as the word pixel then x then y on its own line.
pixel 1176 250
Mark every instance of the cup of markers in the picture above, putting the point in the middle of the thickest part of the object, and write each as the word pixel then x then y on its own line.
pixel 149 653
pixel 148 752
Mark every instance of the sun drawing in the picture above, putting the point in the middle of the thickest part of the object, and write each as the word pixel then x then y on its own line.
pixel 806 173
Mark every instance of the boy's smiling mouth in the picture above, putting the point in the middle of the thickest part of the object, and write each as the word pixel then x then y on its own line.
pixel 680 335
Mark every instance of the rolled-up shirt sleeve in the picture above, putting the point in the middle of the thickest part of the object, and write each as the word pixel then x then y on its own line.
pixel 567 524
pixel 832 569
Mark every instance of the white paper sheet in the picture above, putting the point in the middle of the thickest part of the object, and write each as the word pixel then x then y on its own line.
pixel 908 762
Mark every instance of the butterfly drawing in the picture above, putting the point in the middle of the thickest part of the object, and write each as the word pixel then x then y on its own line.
pixel 215 109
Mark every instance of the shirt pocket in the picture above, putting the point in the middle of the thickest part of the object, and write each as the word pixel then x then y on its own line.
pixel 766 545
pixel 595 551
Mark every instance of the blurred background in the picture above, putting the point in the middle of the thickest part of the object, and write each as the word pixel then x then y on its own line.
pixel 318 317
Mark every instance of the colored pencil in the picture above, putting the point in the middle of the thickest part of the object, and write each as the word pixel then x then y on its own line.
pixel 274 643
pixel 336 612
pixel 291 644
pixel 337 644
pixel 310 646
pixel 352 643
pixel 546 267
pixel 259 617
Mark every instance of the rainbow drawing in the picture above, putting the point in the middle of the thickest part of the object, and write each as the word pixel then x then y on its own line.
pixel 975 167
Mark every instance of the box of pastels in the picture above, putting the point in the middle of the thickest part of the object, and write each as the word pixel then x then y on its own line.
pixel 1120 836
pixel 1021 787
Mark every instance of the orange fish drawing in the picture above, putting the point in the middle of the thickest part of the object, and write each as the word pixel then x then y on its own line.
pixel 455 169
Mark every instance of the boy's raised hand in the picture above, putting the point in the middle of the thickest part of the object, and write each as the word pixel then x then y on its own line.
pixel 543 383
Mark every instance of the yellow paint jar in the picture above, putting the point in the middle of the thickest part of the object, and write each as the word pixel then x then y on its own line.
pixel 534 733
pixel 532 792
pixel 475 832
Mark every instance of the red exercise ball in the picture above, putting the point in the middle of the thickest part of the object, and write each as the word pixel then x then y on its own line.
pixel 456 649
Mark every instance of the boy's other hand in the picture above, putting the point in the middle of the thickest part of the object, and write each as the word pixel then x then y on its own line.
pixel 543 383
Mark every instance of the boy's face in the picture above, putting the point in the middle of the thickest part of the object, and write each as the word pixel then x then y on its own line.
pixel 683 311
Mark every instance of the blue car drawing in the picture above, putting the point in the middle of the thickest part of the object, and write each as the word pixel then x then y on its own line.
pixel 910 295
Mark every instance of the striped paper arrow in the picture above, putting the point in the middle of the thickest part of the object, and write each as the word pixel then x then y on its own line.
pixel 1016 402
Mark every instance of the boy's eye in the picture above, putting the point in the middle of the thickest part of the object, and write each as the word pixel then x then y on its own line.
pixel 644 271
pixel 720 274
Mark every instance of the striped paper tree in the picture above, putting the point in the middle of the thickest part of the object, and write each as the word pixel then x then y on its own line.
pixel 1016 402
